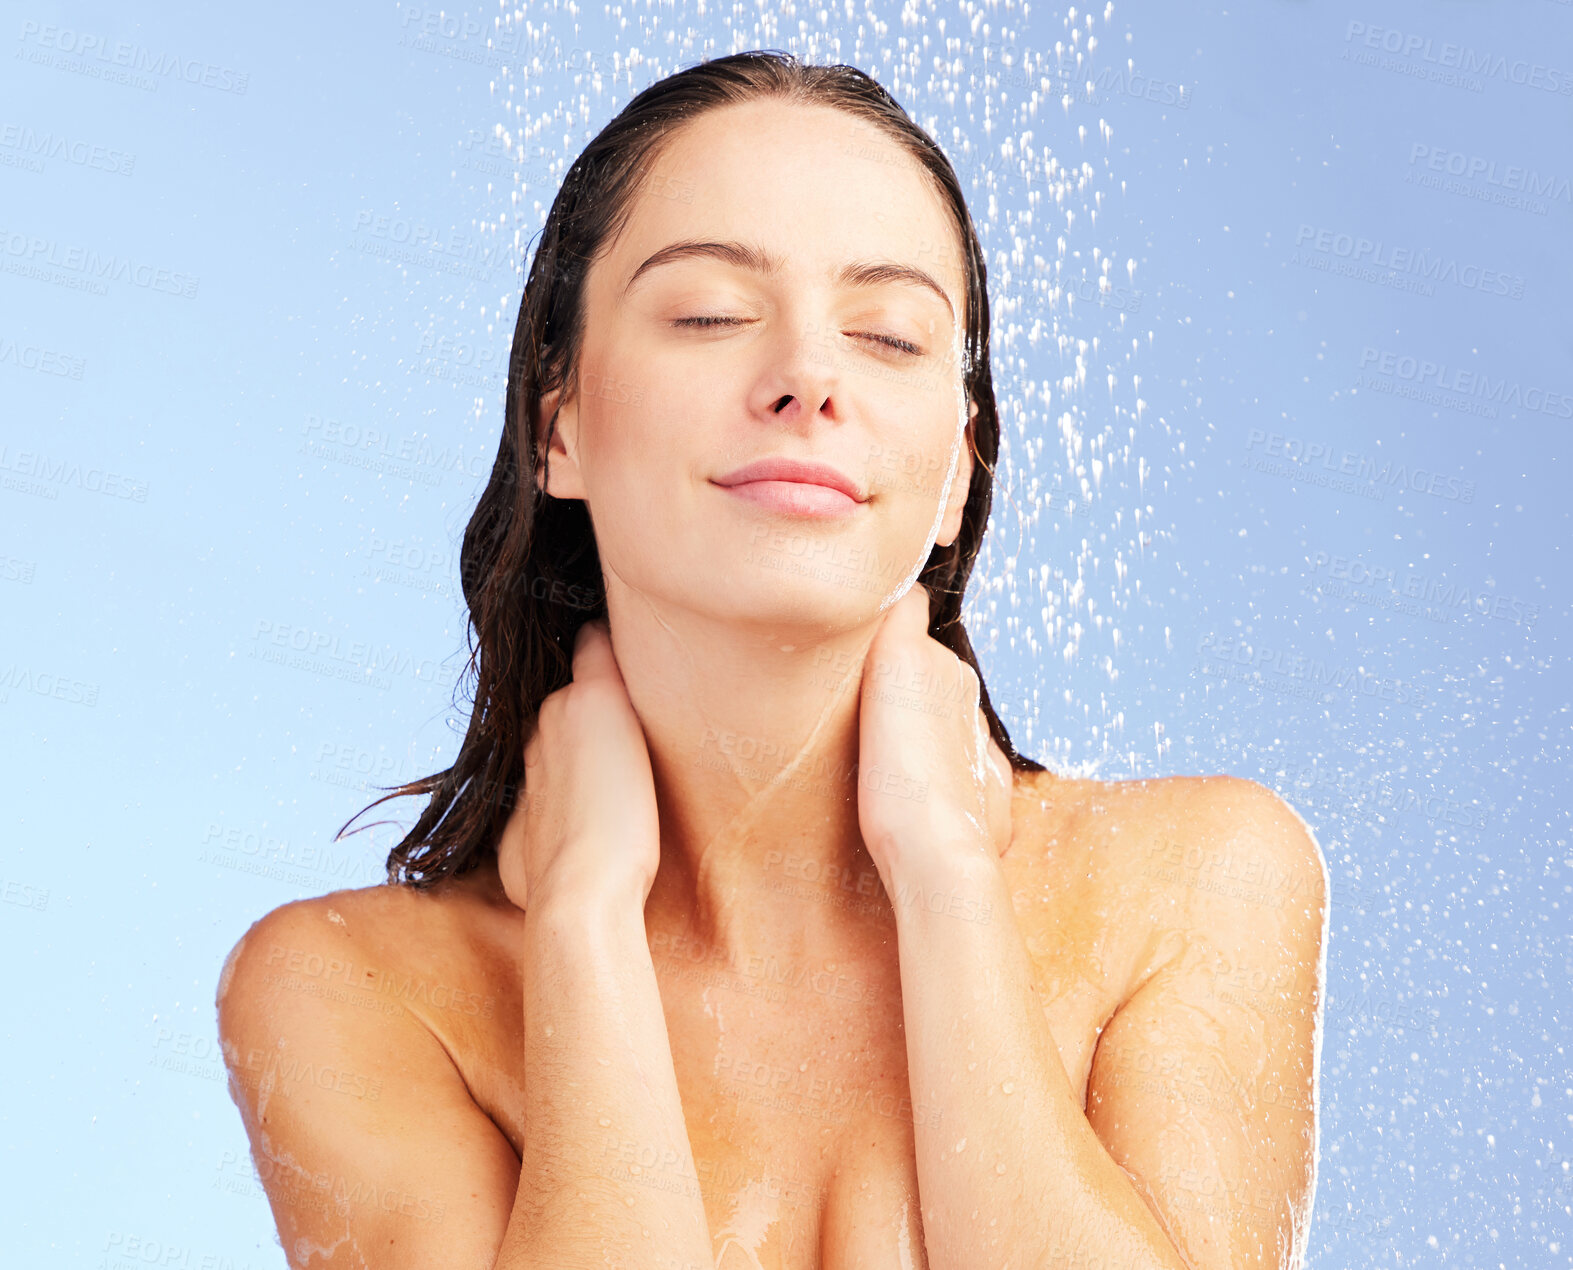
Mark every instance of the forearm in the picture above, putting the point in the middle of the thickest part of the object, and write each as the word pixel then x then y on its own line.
pixel 1010 1173
pixel 607 1175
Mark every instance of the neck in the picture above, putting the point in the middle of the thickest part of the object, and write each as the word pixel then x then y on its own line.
pixel 753 742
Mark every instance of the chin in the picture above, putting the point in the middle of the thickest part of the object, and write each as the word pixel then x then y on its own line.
pixel 802 599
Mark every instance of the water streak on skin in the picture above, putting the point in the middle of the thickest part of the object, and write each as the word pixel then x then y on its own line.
pixel 747 817
pixel 982 774
pixel 228 972
pixel 958 439
pixel 745 1232
pixel 904 1238
pixel 713 1011
pixel 255 1121
pixel 305 1250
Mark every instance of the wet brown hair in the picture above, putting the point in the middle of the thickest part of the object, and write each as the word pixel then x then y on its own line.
pixel 529 565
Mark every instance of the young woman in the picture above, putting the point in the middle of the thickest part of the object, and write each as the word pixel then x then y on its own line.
pixel 739 935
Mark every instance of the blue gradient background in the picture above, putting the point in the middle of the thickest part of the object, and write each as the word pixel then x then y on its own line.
pixel 297 441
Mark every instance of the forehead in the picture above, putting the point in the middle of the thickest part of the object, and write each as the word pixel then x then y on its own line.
pixel 812 184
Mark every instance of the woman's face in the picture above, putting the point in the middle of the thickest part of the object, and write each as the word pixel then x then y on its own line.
pixel 695 363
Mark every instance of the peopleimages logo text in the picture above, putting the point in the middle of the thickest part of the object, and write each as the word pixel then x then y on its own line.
pixel 1375 254
pixel 1360 466
pixel 364 658
pixel 1313 671
pixel 1512 176
pixel 135 58
pixel 36 252
pixel 1389 586
pixel 1467 383
pixel 1461 57
pixel 51 145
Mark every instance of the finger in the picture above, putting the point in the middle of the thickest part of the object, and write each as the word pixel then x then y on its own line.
pixel 1001 792
pixel 592 652
pixel 912 609
pixel 997 759
pixel 905 627
pixel 971 686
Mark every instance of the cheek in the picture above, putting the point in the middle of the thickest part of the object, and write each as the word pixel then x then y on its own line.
pixel 638 479
pixel 625 451
pixel 910 481
pixel 911 471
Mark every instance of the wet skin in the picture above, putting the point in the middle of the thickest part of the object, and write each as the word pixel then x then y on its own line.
pixel 793 1071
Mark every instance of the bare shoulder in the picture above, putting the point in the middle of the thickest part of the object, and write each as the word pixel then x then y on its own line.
pixel 363 939
pixel 1236 850
pixel 302 978
pixel 316 937
pixel 1192 853
pixel 361 1125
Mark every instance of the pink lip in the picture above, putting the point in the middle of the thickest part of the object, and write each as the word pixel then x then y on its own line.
pixel 794 488
pixel 778 471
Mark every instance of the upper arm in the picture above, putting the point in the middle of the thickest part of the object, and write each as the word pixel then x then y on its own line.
pixel 363 1132
pixel 1203 1083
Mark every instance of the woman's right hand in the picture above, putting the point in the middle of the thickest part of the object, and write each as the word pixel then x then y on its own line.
pixel 585 820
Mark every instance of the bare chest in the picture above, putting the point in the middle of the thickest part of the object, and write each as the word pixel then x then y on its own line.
pixel 795 1092
pixel 793 1074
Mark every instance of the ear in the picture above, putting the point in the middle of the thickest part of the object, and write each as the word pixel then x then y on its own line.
pixel 950 526
pixel 560 461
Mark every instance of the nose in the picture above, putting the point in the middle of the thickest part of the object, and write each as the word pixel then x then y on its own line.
pixel 802 382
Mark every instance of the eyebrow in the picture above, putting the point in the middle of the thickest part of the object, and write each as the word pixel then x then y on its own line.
pixel 864 273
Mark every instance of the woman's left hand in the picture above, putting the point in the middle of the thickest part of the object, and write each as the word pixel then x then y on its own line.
pixel 932 784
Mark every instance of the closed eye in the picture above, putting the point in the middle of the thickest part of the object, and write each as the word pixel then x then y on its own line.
pixel 709 320
pixel 900 345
